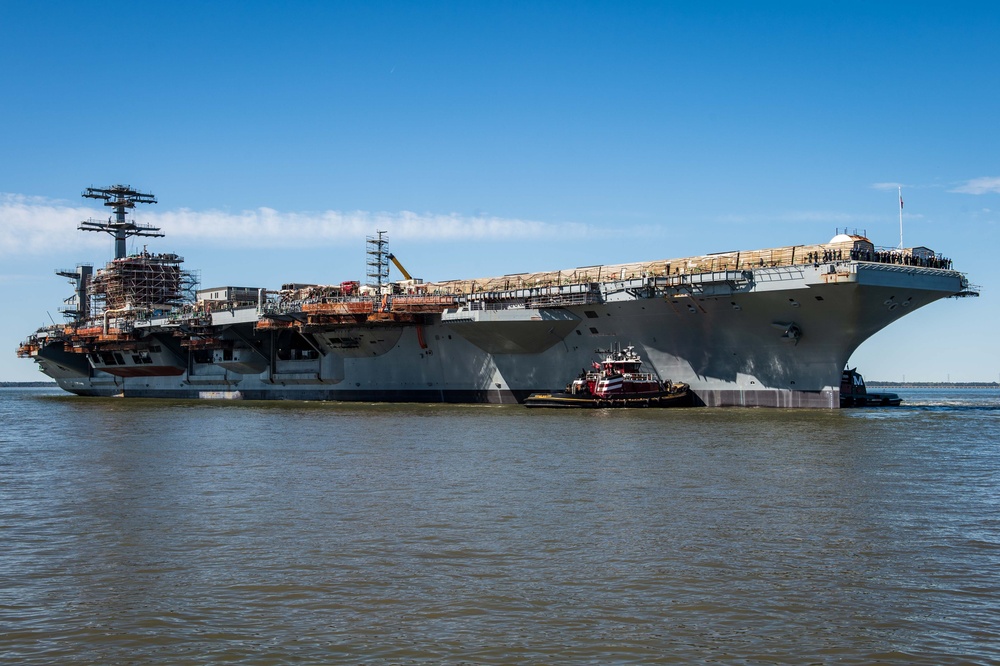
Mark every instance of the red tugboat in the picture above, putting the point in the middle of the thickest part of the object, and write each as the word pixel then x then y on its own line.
pixel 616 382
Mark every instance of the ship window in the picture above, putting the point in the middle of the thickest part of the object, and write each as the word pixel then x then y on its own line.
pixel 590 314
pixel 136 359
pixel 593 330
pixel 579 332
pixel 119 358
pixel 155 349
pixel 819 298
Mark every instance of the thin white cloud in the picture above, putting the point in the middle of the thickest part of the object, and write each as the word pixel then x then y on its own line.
pixel 886 186
pixel 32 225
pixel 984 185
pixel 267 227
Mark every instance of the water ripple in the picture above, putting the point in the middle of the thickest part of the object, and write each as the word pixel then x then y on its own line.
pixel 271 533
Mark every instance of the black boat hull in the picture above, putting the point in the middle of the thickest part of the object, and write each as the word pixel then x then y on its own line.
pixel 569 400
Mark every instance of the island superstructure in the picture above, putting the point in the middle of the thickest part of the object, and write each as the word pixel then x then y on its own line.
pixel 772 327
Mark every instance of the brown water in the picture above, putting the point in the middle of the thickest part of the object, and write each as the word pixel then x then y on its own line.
pixel 276 533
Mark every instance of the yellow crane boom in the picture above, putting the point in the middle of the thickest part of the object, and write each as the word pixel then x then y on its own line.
pixel 406 276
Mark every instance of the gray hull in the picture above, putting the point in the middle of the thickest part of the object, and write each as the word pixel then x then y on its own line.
pixel 776 337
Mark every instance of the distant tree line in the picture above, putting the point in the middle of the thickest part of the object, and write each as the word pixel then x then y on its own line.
pixel 976 385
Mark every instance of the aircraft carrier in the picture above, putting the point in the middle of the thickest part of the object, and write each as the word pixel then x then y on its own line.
pixel 772 327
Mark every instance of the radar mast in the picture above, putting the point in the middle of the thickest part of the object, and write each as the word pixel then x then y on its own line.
pixel 378 260
pixel 120 198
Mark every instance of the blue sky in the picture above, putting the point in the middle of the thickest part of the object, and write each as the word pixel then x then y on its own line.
pixel 493 138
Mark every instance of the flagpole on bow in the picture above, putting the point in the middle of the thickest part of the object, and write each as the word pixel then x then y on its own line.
pixel 900 217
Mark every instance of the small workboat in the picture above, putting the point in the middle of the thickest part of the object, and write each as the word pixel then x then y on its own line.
pixel 854 393
pixel 617 381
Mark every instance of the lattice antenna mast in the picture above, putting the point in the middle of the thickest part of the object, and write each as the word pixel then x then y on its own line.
pixel 378 260
pixel 120 198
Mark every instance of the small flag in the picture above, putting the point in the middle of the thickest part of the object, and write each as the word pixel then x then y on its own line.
pixel 901 202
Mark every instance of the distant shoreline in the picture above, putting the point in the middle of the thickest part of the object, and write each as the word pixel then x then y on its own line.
pixel 932 385
pixel 28 384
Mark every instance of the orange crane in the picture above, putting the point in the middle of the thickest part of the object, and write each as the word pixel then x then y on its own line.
pixel 406 276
